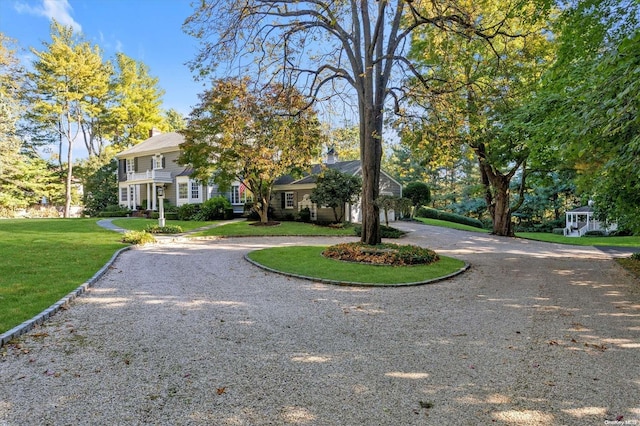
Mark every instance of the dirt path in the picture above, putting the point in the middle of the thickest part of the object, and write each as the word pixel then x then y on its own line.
pixel 189 333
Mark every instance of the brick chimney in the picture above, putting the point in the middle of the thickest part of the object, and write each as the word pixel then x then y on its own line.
pixel 154 132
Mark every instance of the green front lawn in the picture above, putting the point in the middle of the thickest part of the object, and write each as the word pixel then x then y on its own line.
pixel 43 260
pixel 308 261
pixel 139 223
pixel 452 225
pixel 244 229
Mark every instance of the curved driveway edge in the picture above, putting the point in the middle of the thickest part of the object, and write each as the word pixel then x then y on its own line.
pixel 44 315
pixel 358 284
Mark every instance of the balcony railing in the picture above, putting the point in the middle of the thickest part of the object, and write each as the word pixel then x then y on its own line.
pixel 149 176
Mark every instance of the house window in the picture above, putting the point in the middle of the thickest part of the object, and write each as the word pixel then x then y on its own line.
pixel 131 165
pixel 123 194
pixel 195 190
pixel 235 194
pixel 183 190
pixel 289 200
pixel 158 161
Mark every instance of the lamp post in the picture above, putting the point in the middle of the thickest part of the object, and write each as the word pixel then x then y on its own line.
pixel 161 207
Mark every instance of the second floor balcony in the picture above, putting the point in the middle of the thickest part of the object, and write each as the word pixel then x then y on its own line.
pixel 150 176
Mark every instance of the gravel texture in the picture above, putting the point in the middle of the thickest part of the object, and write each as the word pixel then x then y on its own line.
pixel 188 333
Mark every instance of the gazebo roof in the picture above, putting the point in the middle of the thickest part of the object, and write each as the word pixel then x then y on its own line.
pixel 583 209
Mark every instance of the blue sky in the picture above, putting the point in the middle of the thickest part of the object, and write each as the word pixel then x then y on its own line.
pixel 149 31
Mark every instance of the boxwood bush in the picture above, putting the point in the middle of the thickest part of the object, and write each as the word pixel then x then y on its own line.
pixel 430 213
pixel 385 231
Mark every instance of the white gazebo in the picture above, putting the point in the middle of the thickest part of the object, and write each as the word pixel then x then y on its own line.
pixel 580 221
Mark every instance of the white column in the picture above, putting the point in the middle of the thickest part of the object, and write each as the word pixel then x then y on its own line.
pixel 129 197
pixel 135 196
pixel 149 201
pixel 154 197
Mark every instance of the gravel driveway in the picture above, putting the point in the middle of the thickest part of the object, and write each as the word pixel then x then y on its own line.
pixel 191 334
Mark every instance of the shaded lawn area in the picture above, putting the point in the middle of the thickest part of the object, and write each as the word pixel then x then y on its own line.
pixel 309 261
pixel 45 259
pixel 244 229
pixel 633 241
pixel 140 223
pixel 451 225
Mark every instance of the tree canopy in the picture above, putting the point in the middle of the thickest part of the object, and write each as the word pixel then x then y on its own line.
pixel 344 49
pixel 235 134
pixel 336 189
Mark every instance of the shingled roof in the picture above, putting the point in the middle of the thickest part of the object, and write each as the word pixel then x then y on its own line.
pixel 349 167
pixel 163 142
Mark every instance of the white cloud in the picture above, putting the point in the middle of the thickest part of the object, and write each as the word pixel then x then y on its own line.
pixel 60 10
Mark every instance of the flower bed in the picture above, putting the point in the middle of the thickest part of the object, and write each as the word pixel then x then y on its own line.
pixel 381 254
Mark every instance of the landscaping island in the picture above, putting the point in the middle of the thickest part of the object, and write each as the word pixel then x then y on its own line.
pixel 358 264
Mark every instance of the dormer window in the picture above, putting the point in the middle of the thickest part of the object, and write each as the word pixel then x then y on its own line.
pixel 158 162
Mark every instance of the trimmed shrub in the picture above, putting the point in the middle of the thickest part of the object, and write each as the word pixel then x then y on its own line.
pixel 381 254
pixel 430 213
pixel 167 229
pixel 635 256
pixel 304 215
pixel 595 234
pixel 385 231
pixel 138 237
pixel 214 208
pixel 117 213
pixel 188 211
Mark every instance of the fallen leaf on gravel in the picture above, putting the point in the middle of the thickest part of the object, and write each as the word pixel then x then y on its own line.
pixel 221 390
pixel 51 373
pixel 595 346
pixel 553 343
pixel 619 418
pixel 550 383
pixel 426 404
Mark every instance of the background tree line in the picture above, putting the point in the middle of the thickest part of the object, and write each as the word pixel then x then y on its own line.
pixel 71 96
pixel 510 111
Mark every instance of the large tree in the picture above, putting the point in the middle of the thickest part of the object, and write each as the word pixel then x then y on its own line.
pixel 473 88
pixel 235 134
pixel 348 48
pixel 68 77
pixel 588 112
pixel 136 99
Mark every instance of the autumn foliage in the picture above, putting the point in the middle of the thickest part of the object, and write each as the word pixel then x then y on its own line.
pixel 381 254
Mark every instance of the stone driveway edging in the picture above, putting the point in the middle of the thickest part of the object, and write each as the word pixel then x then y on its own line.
pixel 358 284
pixel 47 313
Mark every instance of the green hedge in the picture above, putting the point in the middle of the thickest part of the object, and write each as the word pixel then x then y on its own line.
pixel 430 213
pixel 115 213
pixel 385 231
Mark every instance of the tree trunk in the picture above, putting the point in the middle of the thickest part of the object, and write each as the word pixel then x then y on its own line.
pixel 371 157
pixel 497 196
pixel 502 211
pixel 67 203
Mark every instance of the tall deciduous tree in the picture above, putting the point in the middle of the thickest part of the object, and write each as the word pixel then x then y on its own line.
pixel 473 85
pixel 136 99
pixel 348 48
pixel 23 177
pixel 588 112
pixel 68 78
pixel 236 134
